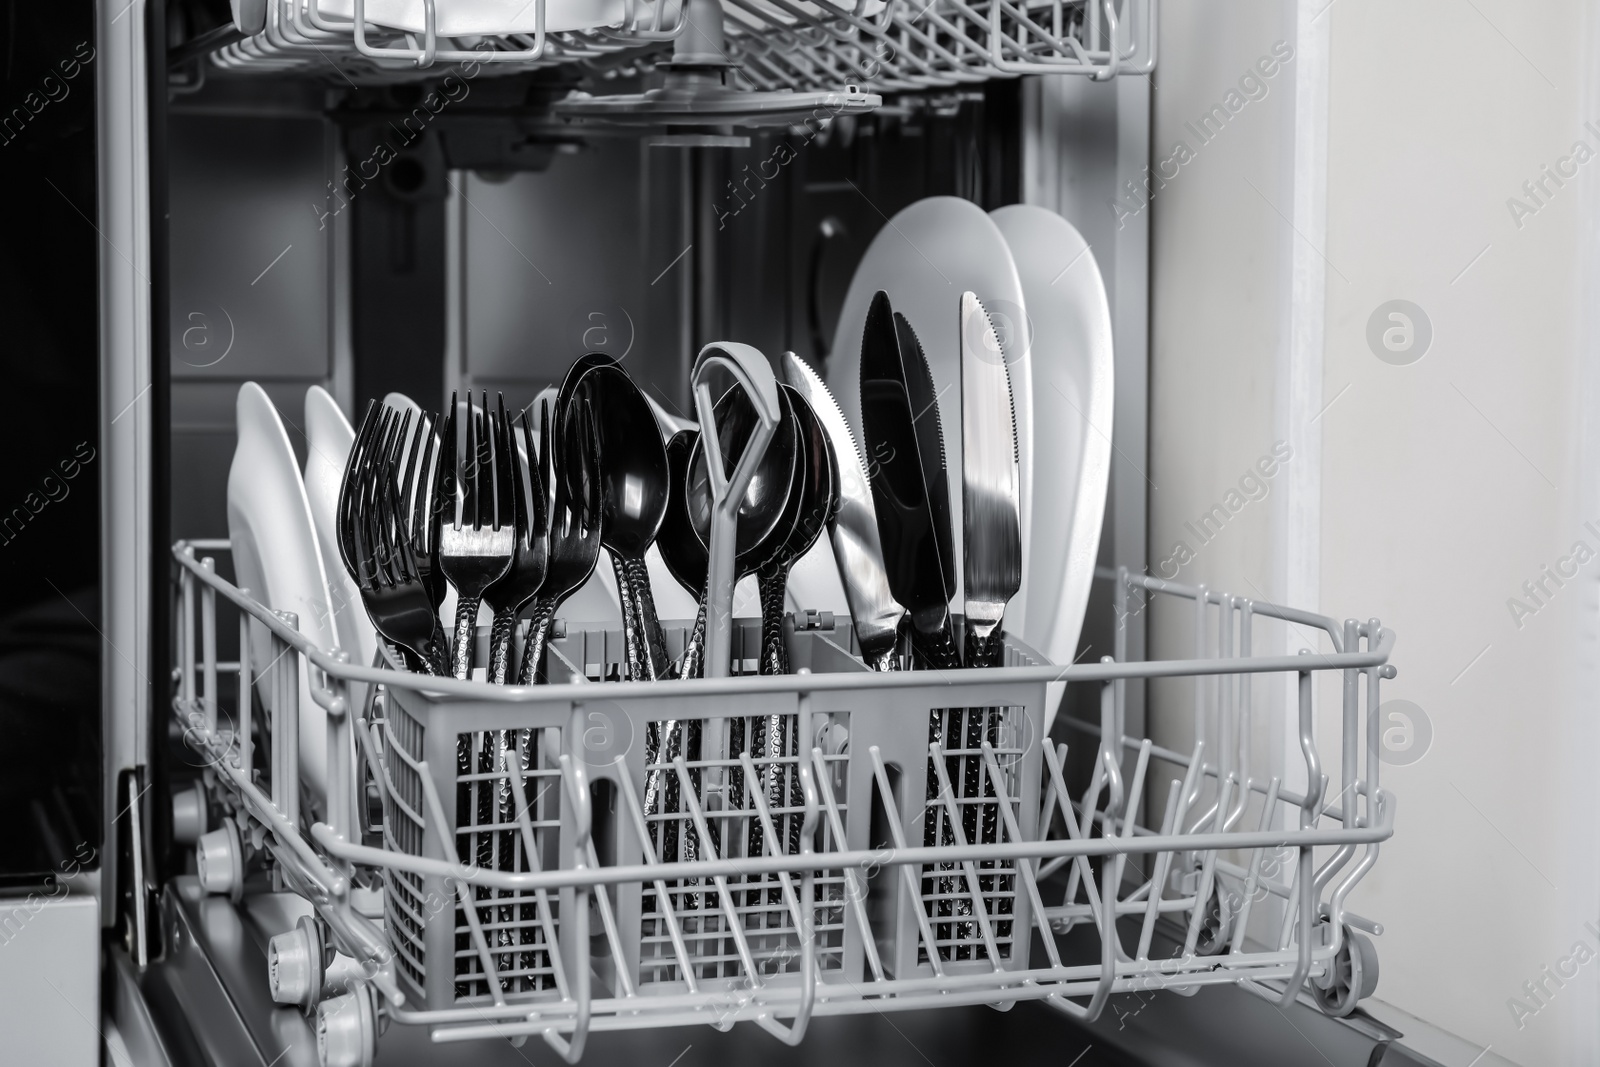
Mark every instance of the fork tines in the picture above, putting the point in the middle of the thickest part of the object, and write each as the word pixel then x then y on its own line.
pixel 476 543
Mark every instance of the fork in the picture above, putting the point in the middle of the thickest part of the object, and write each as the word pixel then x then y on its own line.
pixel 425 516
pixel 574 533
pixel 476 546
pixel 531 527
pixel 374 548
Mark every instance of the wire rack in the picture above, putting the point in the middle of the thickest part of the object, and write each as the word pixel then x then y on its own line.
pixel 797 45
pixel 563 859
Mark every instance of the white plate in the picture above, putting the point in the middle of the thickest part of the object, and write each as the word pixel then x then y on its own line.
pixel 925 258
pixel 1072 369
pixel 329 439
pixel 276 556
pixel 469 18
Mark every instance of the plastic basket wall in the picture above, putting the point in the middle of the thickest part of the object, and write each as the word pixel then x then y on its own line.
pixel 714 802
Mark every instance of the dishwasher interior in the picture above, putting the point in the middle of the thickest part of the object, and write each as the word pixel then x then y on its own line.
pixel 375 201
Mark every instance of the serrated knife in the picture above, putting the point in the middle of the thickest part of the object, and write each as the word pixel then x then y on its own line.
pixel 853 529
pixel 990 486
pixel 910 489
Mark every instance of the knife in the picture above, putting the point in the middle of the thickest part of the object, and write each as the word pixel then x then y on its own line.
pixel 854 527
pixel 990 486
pixel 910 490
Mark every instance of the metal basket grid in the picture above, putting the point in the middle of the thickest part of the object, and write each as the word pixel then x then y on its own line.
pixel 801 45
pixel 718 779
pixel 854 913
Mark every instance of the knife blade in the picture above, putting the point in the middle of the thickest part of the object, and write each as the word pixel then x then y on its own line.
pixel 990 486
pixel 857 550
pixel 910 489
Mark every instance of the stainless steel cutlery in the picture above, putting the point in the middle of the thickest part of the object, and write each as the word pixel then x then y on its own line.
pixel 853 527
pixel 478 506
pixel 990 490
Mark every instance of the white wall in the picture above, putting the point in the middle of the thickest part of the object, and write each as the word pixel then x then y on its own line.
pixel 1441 486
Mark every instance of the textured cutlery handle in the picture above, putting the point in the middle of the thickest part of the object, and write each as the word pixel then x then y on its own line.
pixel 544 613
pixel 885 660
pixel 774 654
pixel 635 667
pixel 466 624
pixel 437 654
pixel 650 632
pixel 505 626
pixel 985 650
pixel 936 651
pixel 693 663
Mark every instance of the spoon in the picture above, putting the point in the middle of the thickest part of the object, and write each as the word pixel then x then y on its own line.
pixel 812 501
pixel 681 548
pixel 633 494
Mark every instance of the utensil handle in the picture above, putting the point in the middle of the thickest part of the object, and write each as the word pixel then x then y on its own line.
pixel 752 372
pixel 653 639
pixel 544 613
pixel 694 649
pixel 883 661
pixel 985 650
pixel 505 626
pixel 466 625
pixel 937 649
pixel 772 584
pixel 634 665
pixel 437 654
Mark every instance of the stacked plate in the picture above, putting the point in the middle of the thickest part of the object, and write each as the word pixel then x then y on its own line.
pixel 1039 281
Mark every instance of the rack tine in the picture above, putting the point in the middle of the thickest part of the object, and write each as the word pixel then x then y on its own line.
pixel 854 876
pixel 948 799
pixel 886 794
pixel 630 799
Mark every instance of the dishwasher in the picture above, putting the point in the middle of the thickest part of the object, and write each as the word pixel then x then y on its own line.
pixel 389 295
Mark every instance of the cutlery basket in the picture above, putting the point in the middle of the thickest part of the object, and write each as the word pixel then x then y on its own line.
pixel 495 797
pixel 558 859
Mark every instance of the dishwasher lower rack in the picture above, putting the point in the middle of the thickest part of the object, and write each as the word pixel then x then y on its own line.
pixel 575 857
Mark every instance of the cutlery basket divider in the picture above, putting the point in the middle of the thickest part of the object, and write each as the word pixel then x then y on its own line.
pixel 614 739
pixel 587 855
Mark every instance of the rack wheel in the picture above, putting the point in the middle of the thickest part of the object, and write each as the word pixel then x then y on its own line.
pixel 1216 925
pixel 1352 976
pixel 189 814
pixel 347 1030
pixel 295 965
pixel 219 859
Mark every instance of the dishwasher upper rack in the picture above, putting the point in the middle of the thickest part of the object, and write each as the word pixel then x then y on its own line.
pixel 799 45
pixel 1191 878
